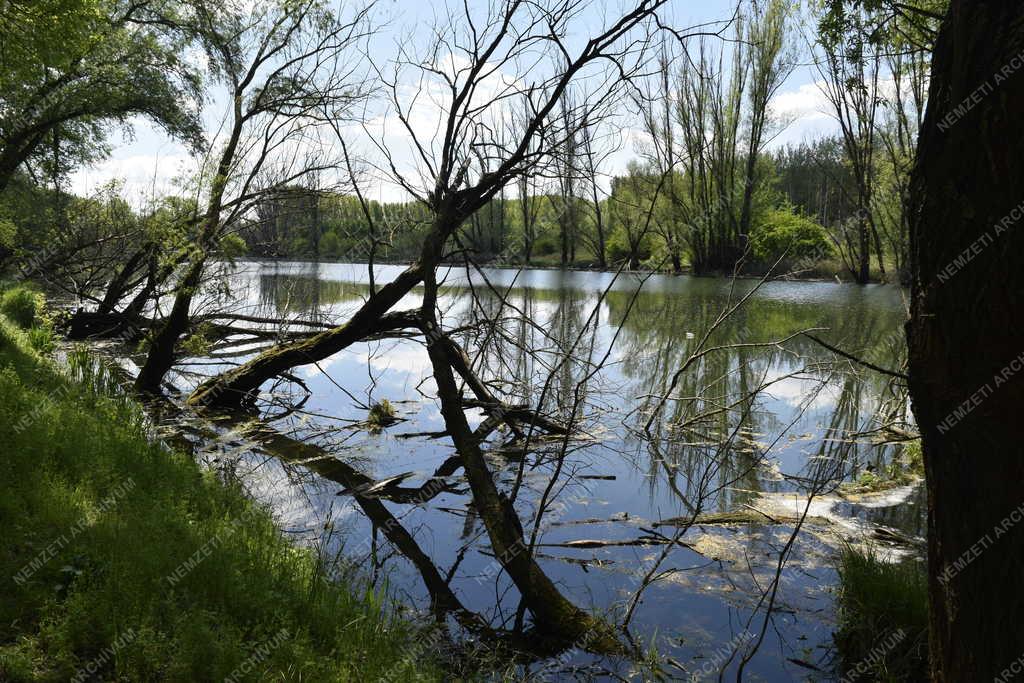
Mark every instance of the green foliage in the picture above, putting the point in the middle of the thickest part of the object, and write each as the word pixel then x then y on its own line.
pixel 882 603
pixel 198 343
pixel 907 467
pixel 618 248
pixel 72 67
pixel 784 232
pixel 232 246
pixel 42 340
pixel 868 479
pixel 913 456
pixel 381 415
pixel 546 244
pixel 120 514
pixel 330 246
pixel 22 305
pixel 632 233
pixel 903 24
pixel 8 233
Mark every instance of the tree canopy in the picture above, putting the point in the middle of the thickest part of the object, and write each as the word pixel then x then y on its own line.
pixel 71 68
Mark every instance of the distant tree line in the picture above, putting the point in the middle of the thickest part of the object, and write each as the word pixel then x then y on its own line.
pixel 801 209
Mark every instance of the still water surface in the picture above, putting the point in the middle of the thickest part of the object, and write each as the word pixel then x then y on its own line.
pixel 748 425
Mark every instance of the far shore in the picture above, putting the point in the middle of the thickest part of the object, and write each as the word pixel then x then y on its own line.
pixel 807 275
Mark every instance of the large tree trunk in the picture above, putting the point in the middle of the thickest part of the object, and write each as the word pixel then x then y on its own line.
pixel 230 388
pixel 160 358
pixel 966 362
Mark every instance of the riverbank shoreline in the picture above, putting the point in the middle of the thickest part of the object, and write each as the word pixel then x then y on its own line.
pixel 124 560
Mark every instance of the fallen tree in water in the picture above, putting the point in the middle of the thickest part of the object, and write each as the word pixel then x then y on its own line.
pixel 466 169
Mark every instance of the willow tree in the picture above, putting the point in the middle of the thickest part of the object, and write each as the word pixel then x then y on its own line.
pixel 284 69
pixel 773 59
pixel 966 362
pixel 474 67
pixel 708 118
pixel 71 68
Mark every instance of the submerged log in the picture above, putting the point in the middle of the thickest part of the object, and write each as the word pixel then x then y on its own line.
pixel 85 324
pixel 753 516
pixel 232 387
pixel 750 516
pixel 260 320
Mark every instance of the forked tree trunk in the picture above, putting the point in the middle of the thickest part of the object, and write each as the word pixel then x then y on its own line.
pixel 160 357
pixel 119 284
pixel 966 342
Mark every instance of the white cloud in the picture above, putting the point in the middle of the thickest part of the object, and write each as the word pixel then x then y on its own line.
pixel 807 102
pixel 144 175
pixel 806 111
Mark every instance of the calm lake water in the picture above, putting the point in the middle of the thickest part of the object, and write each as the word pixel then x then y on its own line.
pixel 599 349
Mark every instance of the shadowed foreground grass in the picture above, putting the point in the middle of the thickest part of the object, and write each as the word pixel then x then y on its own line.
pixel 122 560
pixel 883 618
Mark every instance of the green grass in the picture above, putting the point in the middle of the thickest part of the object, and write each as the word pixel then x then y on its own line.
pixel 22 305
pixel 906 468
pixel 124 557
pixel 883 618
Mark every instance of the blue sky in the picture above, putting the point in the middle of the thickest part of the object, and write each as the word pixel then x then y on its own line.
pixel 147 161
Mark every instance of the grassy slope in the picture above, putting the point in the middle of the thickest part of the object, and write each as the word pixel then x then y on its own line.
pixel 253 605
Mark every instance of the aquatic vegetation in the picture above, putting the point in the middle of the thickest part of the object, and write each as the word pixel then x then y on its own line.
pixel 905 469
pixel 883 617
pixel 381 415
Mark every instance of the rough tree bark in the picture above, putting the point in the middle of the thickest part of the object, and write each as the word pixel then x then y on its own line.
pixel 966 347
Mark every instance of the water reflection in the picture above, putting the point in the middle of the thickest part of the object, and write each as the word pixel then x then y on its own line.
pixel 751 416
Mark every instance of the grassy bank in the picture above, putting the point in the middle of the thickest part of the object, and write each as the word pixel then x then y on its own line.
pixel 122 560
pixel 883 618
